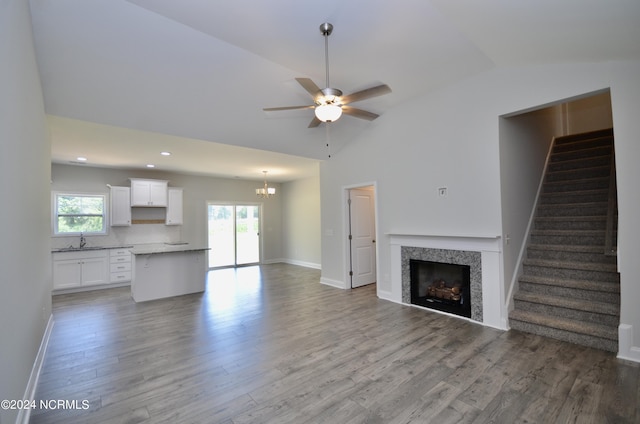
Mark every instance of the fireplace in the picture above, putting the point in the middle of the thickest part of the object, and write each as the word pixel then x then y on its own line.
pixel 457 267
pixel 442 286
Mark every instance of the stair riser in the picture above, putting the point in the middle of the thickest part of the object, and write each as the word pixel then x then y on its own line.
pixel 573 293
pixel 571 274
pixel 569 198
pixel 576 185
pixel 557 255
pixel 582 164
pixel 557 311
pixel 579 339
pixel 582 137
pixel 549 210
pixel 576 240
pixel 560 156
pixel 576 224
pixel 578 174
pixel 583 145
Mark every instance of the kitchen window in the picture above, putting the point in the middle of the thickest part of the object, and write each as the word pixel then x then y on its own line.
pixel 79 213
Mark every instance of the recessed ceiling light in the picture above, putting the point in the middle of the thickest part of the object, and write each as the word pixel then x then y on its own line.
pixel 81 159
pixel 165 153
pixel 150 165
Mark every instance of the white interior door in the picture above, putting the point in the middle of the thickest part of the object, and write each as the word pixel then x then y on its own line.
pixel 362 237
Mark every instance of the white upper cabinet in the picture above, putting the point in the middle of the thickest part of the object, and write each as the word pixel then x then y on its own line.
pixel 120 206
pixel 174 206
pixel 148 193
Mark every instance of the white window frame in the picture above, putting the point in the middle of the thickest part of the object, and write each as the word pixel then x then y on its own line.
pixel 54 213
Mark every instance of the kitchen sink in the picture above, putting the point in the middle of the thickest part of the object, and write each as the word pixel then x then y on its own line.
pixel 78 249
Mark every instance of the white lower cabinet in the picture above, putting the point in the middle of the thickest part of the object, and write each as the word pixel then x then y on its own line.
pixel 80 269
pixel 119 265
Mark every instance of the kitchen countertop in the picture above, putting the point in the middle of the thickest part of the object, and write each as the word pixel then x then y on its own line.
pixel 155 248
pixel 88 248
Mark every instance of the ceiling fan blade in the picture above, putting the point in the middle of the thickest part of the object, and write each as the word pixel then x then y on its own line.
pixel 310 86
pixel 314 122
pixel 378 90
pixel 359 113
pixel 271 109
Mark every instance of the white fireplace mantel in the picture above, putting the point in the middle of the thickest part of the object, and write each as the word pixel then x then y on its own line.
pixel 494 313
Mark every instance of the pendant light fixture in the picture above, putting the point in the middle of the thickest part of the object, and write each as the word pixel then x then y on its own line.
pixel 265 192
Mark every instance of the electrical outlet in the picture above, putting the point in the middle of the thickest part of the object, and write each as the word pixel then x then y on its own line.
pixel 442 192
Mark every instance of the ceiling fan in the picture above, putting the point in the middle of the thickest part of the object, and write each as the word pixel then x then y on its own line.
pixel 329 103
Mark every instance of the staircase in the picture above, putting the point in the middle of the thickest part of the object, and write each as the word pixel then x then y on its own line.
pixel 569 288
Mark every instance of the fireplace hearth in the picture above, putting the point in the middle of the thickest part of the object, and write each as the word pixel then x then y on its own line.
pixel 442 286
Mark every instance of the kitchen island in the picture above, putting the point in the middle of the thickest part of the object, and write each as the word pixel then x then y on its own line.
pixel 166 270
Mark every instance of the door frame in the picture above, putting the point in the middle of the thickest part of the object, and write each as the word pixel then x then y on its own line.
pixel 347 223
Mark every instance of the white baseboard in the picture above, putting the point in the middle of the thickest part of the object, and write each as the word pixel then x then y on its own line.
pixel 386 295
pixel 91 288
pixel 302 263
pixel 30 392
pixel 292 262
pixel 333 283
pixel 626 349
pixel 273 261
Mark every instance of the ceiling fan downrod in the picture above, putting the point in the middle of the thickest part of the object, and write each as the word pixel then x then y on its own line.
pixel 326 29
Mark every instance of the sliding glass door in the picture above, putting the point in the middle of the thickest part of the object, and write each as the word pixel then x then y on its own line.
pixel 234 234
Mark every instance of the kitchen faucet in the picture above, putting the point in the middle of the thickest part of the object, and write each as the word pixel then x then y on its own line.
pixel 83 242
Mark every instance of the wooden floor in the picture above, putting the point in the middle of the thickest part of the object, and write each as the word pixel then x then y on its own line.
pixel 271 345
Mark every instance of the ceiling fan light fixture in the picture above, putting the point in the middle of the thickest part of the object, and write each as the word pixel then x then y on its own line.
pixel 328 102
pixel 328 113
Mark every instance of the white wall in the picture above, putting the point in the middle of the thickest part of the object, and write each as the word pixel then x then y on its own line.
pixel 525 140
pixel 625 103
pixel 198 190
pixel 450 138
pixel 301 222
pixel 25 299
pixel 589 114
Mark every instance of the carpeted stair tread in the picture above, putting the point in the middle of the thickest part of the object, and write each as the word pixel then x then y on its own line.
pixel 586 218
pixel 577 248
pixel 599 171
pixel 586 266
pixel 580 164
pixel 561 194
pixel 604 308
pixel 570 223
pixel 580 137
pixel 589 285
pixel 586 328
pixel 585 151
pixel 576 253
pixel 582 204
pixel 567 232
pixel 561 186
pixel 590 135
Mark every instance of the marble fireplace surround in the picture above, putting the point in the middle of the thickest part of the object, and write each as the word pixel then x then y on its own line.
pixel 458 257
pixel 482 253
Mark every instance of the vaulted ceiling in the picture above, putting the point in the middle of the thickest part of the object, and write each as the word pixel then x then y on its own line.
pixel 123 80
